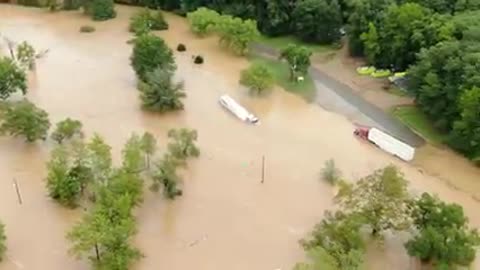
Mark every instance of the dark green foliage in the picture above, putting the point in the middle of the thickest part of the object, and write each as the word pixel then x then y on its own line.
pixel 12 78
pixel 443 237
pixel 100 10
pixel 198 59
pixel 257 78
pixel 149 53
pixel 274 16
pixel 318 21
pixel 160 94
pixel 236 34
pixel 166 176
pixel 71 4
pixel 30 3
pixel 23 118
pixel 298 58
pixel 404 30
pixel 67 129
pixel 87 29
pixel 339 236
pixel 3 239
pixel 181 47
pixel 183 145
pixel 449 6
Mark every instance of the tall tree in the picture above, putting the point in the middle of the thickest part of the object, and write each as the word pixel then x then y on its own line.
pixel 381 199
pixel 23 118
pixel 183 145
pixel 298 59
pixel 12 78
pixel 133 157
pixel 67 129
pixel 160 93
pixel 99 159
pixel 443 237
pixel 203 21
pixel 149 53
pixel 236 34
pixel 149 146
pixel 274 16
pixel 318 20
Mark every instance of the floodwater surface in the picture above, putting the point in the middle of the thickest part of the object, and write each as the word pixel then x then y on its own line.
pixel 226 219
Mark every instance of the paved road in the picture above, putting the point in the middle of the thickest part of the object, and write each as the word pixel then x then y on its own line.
pixel 335 96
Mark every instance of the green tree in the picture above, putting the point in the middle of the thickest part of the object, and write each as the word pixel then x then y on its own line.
pixel 100 10
pixel 64 184
pixel 236 34
pixel 67 129
pixel 257 78
pixel 12 78
pixel 318 20
pixel 99 159
pixel 159 93
pixel 381 199
pixel 274 16
pixel 133 155
pixel 203 21
pixel 149 53
pixel 330 172
pixel 3 239
pixel 26 55
pixel 339 236
pixel 319 259
pixel 149 146
pixel 146 20
pixel 466 131
pixel 167 177
pixel 23 118
pixel 298 58
pixel 183 145
pixel 443 237
pixel 371 43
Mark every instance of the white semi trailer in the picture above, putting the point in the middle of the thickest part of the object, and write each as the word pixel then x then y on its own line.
pixel 238 110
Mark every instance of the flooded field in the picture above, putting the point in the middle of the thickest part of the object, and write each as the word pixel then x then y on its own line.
pixel 226 219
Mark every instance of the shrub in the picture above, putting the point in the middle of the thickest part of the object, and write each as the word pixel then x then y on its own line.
pixel 100 10
pixel 330 172
pixel 67 129
pixel 159 93
pixel 181 47
pixel 151 52
pixel 26 55
pixel 87 29
pixel 257 78
pixel 12 78
pixel 198 59
pixel 144 21
pixel 202 21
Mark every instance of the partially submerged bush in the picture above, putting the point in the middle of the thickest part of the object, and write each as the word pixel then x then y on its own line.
pixel 26 55
pixel 145 20
pixel 257 78
pixel 12 78
pixel 67 129
pixel 198 59
pixel 87 29
pixel 151 52
pixel 100 10
pixel 181 47
pixel 160 93
pixel 330 172
pixel 203 20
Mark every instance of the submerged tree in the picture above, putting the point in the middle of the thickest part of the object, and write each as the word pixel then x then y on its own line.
pixel 146 20
pixel 381 199
pixel 298 59
pixel 149 53
pixel 67 129
pixel 166 176
pixel 330 172
pixel 23 118
pixel 443 237
pixel 100 10
pixel 3 239
pixel 159 93
pixel 149 146
pixel 183 145
pixel 99 159
pixel 133 155
pixel 26 55
pixel 12 78
pixel 236 34
pixel 203 21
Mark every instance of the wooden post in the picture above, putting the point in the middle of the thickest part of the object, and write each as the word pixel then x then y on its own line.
pixel 17 189
pixel 263 169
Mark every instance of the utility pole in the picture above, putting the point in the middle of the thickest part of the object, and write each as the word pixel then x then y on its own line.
pixel 263 169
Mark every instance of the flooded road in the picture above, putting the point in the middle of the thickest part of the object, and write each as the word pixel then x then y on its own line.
pixel 226 219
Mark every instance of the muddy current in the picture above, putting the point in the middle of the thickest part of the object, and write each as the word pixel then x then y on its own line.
pixel 226 219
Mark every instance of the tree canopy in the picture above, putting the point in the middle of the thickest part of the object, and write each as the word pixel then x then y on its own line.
pixel 12 78
pixel 67 129
pixel 298 58
pixel 257 78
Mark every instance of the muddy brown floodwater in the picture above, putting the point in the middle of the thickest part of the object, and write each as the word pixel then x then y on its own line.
pixel 226 219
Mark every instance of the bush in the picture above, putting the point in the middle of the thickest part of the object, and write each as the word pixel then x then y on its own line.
pixel 159 93
pixel 100 10
pixel 330 172
pixel 198 59
pixel 3 238
pixel 71 4
pixel 144 21
pixel 236 34
pixel 181 47
pixel 87 29
pixel 257 78
pixel 12 78
pixel 26 55
pixel 203 20
pixel 67 129
pixel 151 52
pixel 25 119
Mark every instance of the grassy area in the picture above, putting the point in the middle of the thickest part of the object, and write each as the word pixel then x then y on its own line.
pixel 283 41
pixel 305 89
pixel 397 91
pixel 418 121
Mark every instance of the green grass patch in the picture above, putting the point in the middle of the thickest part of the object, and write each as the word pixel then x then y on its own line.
pixel 415 119
pixel 280 70
pixel 282 42
pixel 394 90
